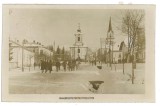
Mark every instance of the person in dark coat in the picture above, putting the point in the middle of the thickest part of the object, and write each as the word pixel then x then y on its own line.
pixel 73 65
pixel 34 65
pixel 42 66
pixel 50 66
pixel 70 65
pixel 46 66
pixel 64 65
pixel 57 66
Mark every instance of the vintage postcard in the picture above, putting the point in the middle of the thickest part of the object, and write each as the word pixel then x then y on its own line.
pixel 78 53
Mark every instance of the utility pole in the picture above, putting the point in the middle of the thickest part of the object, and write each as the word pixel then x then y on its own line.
pixel 123 61
pixel 22 54
pixel 101 52
pixel 105 54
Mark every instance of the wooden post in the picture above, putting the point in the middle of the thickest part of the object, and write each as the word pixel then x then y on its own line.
pixel 132 73
pixel 123 62
pixel 22 56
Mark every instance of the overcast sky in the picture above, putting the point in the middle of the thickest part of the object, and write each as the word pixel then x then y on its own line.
pixel 59 25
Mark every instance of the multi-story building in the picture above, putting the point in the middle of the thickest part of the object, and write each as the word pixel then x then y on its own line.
pixel 27 54
pixel 19 55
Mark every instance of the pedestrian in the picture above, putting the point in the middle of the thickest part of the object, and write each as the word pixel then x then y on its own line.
pixel 34 65
pixel 57 66
pixel 70 65
pixel 74 65
pixel 46 66
pixel 77 64
pixel 50 66
pixel 42 66
pixel 64 65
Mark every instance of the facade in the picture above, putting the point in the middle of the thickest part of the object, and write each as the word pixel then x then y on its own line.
pixel 45 53
pixel 32 52
pixel 78 50
pixel 113 53
pixel 19 54
pixel 41 52
pixel 117 54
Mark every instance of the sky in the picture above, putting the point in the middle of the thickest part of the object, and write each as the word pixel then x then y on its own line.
pixel 60 25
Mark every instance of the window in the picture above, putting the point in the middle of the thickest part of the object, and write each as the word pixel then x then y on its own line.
pixel 78 50
pixel 78 38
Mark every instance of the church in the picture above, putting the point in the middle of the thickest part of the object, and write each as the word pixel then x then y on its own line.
pixel 79 50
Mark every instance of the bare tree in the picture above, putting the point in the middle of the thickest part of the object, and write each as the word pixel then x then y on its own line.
pixel 132 21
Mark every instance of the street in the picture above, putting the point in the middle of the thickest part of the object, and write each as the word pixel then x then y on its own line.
pixel 77 82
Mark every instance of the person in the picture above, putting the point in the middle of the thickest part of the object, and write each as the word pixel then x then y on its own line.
pixel 50 66
pixel 70 65
pixel 57 66
pixel 64 65
pixel 46 66
pixel 34 65
pixel 77 64
pixel 42 66
pixel 74 65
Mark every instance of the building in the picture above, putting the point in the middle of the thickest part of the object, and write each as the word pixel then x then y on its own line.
pixel 79 50
pixel 19 55
pixel 41 52
pixel 117 54
pixel 27 53
pixel 110 51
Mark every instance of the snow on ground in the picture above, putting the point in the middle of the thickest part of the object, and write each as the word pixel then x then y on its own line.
pixel 77 82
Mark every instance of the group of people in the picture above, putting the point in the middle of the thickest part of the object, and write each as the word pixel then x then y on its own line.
pixel 71 65
pixel 46 66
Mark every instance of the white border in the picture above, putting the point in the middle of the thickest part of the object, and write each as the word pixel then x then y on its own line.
pixel 157 59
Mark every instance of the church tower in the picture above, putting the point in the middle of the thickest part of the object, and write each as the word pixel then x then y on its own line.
pixel 78 37
pixel 110 41
pixel 110 30
pixel 79 50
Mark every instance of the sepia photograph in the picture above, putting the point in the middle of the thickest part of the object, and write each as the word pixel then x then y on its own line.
pixel 78 52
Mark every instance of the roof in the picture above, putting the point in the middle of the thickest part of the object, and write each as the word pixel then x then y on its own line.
pixel 32 45
pixel 19 45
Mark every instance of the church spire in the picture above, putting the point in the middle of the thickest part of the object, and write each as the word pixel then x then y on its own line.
pixel 110 26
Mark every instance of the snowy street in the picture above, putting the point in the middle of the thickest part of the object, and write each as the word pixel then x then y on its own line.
pixel 77 82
